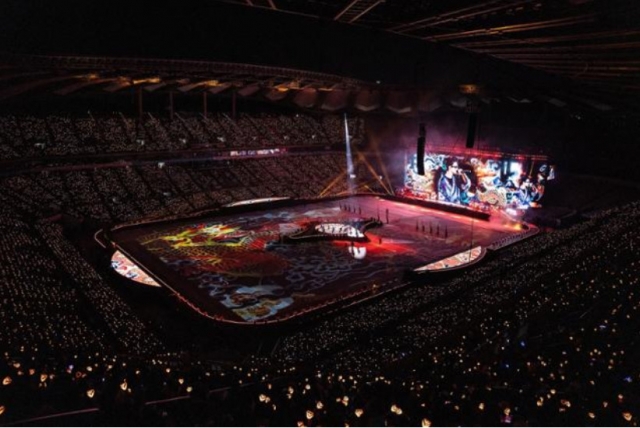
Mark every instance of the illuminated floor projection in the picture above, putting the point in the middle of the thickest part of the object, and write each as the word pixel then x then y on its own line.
pixel 125 267
pixel 274 264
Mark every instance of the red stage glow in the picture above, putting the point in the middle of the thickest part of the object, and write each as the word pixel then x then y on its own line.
pixel 271 265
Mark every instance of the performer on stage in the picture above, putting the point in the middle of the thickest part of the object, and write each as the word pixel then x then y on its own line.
pixel 453 184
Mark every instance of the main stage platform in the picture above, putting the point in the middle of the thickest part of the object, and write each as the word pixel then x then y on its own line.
pixel 280 259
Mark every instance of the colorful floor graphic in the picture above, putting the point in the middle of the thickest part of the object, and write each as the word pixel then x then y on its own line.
pixel 457 260
pixel 128 269
pixel 244 263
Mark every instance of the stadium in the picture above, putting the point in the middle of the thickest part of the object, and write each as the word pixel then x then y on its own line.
pixel 319 213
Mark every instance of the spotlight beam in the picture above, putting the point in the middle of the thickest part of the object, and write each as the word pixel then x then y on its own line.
pixel 350 169
pixel 383 167
pixel 372 171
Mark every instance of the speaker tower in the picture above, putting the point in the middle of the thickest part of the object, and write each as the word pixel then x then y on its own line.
pixel 472 109
pixel 422 134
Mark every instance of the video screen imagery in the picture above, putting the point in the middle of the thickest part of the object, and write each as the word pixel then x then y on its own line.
pixel 479 182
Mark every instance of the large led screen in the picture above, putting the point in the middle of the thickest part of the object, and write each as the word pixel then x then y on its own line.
pixel 478 181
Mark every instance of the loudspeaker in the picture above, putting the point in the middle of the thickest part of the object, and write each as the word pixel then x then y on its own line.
pixel 471 130
pixel 420 156
pixel 420 152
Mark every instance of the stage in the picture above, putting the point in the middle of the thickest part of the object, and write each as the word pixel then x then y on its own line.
pixel 272 263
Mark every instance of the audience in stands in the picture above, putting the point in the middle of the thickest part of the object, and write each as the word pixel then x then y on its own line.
pixel 122 193
pixel 545 333
pixel 29 136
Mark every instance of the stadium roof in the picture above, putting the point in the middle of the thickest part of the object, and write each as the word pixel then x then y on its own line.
pixel 591 41
pixel 370 54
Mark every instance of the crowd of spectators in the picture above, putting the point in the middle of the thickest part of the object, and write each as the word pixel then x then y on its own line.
pixel 543 332
pixel 544 335
pixel 40 307
pixel 123 193
pixel 31 136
